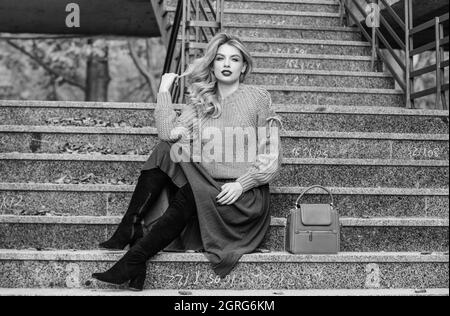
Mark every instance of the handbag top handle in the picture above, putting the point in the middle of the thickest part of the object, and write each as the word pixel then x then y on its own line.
pixel 297 205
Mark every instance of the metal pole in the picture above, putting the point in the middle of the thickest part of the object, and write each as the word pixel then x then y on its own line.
pixel 441 50
pixel 408 58
pixel 411 47
pixel 197 28
pixel 374 40
pixel 374 52
pixel 342 12
pixel 438 63
pixel 222 8
pixel 183 51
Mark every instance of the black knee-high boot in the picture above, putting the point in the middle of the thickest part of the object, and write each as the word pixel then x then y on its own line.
pixel 132 265
pixel 148 188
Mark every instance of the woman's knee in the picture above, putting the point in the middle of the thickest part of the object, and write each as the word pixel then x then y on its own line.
pixel 161 150
pixel 163 146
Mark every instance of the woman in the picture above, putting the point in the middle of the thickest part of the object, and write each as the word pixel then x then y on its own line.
pixel 221 205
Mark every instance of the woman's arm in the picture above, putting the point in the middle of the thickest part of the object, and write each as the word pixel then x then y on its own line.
pixel 171 126
pixel 269 159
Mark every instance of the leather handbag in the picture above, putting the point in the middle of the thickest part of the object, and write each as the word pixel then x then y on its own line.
pixel 313 228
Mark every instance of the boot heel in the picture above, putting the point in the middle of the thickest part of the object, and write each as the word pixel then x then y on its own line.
pixel 137 283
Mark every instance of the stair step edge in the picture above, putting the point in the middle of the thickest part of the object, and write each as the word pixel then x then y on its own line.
pixel 270 12
pixel 284 108
pixel 52 129
pixel 278 40
pixel 292 161
pixel 275 221
pixel 278 257
pixel 322 72
pixel 52 187
pixel 292 27
pixel 203 293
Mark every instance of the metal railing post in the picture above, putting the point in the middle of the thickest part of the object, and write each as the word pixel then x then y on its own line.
pixel 438 62
pixel 441 102
pixel 183 49
pixel 222 9
pixel 442 56
pixel 342 12
pixel 197 28
pixel 409 61
pixel 411 47
pixel 374 40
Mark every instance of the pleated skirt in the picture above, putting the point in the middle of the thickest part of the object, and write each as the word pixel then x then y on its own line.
pixel 223 233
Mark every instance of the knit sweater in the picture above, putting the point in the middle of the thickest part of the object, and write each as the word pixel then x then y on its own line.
pixel 249 109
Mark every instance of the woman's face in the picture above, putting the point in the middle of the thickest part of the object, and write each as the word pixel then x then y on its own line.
pixel 228 64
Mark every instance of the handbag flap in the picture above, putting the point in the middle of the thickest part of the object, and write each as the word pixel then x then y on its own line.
pixel 316 214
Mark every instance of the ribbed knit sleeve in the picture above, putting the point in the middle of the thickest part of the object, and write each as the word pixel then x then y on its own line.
pixel 269 158
pixel 171 126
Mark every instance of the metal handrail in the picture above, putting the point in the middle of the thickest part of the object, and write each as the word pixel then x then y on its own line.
pixel 426 25
pixel 190 15
pixel 392 32
pixel 173 38
pixel 406 82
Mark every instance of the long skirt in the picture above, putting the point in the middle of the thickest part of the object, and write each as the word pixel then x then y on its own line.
pixel 223 233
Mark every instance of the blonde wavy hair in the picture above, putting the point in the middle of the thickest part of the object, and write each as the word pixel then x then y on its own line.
pixel 202 83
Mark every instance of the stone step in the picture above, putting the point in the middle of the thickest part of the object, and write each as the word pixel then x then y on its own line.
pixel 284 5
pixel 294 117
pixel 273 17
pixel 336 96
pixel 296 144
pixel 362 119
pixel 305 46
pixel 313 61
pixel 34 292
pixel 298 77
pixel 86 232
pixel 294 31
pixel 357 234
pixel 25 167
pixel 73 269
pixel 86 199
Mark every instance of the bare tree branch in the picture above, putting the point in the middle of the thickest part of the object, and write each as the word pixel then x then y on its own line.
pixel 45 66
pixel 129 93
pixel 149 77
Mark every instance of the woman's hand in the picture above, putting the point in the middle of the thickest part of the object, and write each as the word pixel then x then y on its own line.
pixel 230 193
pixel 166 81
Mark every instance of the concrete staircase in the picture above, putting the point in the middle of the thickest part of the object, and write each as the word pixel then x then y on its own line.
pixel 387 167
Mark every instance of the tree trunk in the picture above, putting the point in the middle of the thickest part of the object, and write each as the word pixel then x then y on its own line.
pixel 97 72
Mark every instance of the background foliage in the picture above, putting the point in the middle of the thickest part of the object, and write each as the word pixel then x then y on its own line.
pixel 55 69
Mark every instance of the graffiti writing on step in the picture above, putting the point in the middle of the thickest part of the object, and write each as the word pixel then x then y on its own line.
pixel 257 278
pixel 309 152
pixel 372 276
pixel 425 152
